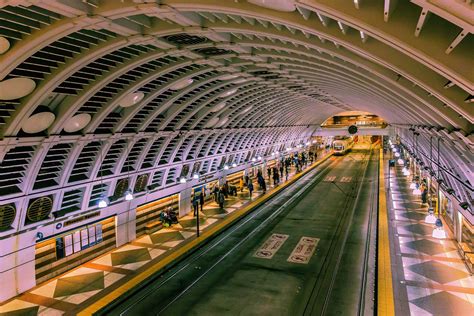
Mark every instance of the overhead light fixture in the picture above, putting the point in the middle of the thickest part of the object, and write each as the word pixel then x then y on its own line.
pixel 228 93
pixel 128 195
pixel 103 202
pixel 181 84
pixel 241 80
pixel 182 180
pixel 196 176
pixel 228 77
pixel 234 165
pixel 226 167
pixel 254 159
pixel 397 154
pixel 259 158
pixel 430 218
pixel 131 99
pixel 392 146
pixel 439 232
pixel 278 5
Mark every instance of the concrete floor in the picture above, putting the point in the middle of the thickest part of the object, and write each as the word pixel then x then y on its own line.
pixel 230 278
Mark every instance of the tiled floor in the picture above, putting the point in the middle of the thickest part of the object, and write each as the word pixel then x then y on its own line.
pixel 429 273
pixel 81 286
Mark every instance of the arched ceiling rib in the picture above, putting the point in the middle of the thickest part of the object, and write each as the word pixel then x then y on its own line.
pixel 292 71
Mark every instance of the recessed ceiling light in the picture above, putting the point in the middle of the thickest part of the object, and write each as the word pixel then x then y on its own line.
pixel 213 121
pixel 4 45
pixel 279 5
pixel 228 77
pixel 241 80
pixel 77 122
pixel 16 88
pixel 38 122
pixel 182 84
pixel 247 109
pixel 131 99
pixel 218 107
pixel 228 93
pixel 222 122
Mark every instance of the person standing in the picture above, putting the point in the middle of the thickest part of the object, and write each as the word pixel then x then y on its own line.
pixel 195 203
pixel 221 199
pixel 269 172
pixel 281 170
pixel 241 184
pixel 201 199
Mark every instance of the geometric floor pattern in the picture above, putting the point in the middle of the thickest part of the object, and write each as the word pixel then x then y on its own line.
pixel 429 273
pixel 74 290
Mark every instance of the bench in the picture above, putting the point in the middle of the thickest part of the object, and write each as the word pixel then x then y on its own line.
pixel 152 227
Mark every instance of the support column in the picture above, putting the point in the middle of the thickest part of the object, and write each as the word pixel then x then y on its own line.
pixel 126 227
pixel 17 264
pixel 185 201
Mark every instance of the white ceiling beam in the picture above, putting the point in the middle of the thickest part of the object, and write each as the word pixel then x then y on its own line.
pixel 456 41
pixel 388 8
pixel 421 21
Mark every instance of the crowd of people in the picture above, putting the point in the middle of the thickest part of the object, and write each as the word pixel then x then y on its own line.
pixel 276 173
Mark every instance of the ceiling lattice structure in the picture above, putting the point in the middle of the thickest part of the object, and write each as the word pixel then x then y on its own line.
pixel 109 90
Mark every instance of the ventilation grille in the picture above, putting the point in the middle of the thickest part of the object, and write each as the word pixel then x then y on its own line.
pixel 212 51
pixel 52 166
pixel 157 180
pixel 141 183
pixel 110 160
pixel 180 153
pixel 84 162
pixel 98 191
pixel 185 39
pixel 7 216
pixel 120 188
pixel 72 201
pixel 171 178
pixel 152 153
pixel 130 162
pixel 13 168
pixel 39 209
pixel 165 157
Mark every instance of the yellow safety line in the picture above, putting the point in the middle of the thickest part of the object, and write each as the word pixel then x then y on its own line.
pixel 385 302
pixel 174 255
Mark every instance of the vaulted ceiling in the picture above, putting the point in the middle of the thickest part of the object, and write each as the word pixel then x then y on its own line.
pixel 120 89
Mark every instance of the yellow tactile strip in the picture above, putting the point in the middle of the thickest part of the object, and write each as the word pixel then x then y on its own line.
pixel 385 302
pixel 133 282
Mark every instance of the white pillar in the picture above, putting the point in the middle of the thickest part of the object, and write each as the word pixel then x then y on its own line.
pixel 185 201
pixel 17 264
pixel 126 227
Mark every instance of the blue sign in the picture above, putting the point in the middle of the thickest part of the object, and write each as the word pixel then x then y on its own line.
pixel 39 235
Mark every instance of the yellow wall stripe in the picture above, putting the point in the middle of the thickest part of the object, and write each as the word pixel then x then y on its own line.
pixel 181 251
pixel 385 302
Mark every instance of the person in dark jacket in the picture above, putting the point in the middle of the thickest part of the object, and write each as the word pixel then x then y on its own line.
pixel 201 199
pixel 250 187
pixel 221 199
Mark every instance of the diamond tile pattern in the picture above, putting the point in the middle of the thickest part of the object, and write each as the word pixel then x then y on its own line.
pixel 79 284
pixel 444 303
pixel 438 272
pixel 130 256
pixel 428 247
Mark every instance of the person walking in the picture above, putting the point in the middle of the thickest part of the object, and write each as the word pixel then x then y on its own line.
pixel 195 202
pixel 250 187
pixel 221 199
pixel 241 184
pixel 215 191
pixel 281 170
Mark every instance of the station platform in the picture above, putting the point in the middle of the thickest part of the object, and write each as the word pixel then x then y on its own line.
pixel 80 290
pixel 429 276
